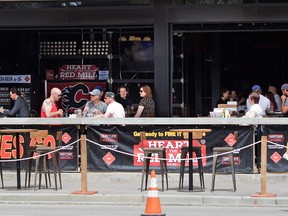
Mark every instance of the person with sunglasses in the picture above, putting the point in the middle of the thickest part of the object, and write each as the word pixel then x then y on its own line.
pixel 95 105
pixel 146 107
pixel 49 107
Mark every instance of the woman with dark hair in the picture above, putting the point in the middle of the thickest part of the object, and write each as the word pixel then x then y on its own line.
pixel 146 106
pixel 273 105
pixel 20 108
pixel 255 111
pixel 224 97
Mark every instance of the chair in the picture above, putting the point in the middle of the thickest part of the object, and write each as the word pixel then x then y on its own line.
pixel 42 162
pixel 42 165
pixel 198 152
pixel 229 151
pixel 146 163
pixel 31 150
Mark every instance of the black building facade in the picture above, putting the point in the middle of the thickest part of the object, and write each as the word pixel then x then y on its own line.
pixel 198 47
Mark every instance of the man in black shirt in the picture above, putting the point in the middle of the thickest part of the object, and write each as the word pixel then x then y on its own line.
pixel 124 99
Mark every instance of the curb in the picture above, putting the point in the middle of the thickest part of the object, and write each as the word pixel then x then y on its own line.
pixel 131 199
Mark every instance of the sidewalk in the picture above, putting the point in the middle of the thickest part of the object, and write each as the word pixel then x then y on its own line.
pixel 124 189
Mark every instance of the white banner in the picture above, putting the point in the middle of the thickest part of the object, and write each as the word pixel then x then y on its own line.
pixel 15 78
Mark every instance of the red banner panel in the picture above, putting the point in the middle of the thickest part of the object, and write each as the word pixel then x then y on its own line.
pixel 74 94
pixel 78 72
pixel 68 155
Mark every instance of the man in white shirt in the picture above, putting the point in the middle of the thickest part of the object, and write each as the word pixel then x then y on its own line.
pixel 264 102
pixel 114 109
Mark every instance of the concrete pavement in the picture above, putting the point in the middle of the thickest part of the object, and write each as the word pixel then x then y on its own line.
pixel 124 189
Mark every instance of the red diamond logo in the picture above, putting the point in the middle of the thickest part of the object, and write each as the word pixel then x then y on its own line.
pixel 27 79
pixel 66 138
pixel 109 158
pixel 276 157
pixel 230 139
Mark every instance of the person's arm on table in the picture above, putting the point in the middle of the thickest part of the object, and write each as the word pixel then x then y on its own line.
pixel 139 111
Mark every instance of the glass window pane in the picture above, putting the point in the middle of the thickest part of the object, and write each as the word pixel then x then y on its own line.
pixel 77 3
pixel 215 2
pixel 272 1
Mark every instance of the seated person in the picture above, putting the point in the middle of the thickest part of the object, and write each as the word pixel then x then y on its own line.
pixel 224 97
pixel 273 105
pixel 123 98
pixel 284 99
pixel 95 105
pixel 255 110
pixel 101 89
pixel 235 97
pixel 114 109
pixel 20 108
pixel 263 101
pixel 146 106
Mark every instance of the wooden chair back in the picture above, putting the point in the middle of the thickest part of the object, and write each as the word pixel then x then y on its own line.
pixel 39 134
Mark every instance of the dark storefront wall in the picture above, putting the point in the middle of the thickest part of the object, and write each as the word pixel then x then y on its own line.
pixel 212 60
pixel 223 46
pixel 196 96
pixel 236 60
pixel 21 54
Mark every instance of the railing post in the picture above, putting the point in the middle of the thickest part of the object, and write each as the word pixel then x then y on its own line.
pixel 263 170
pixel 84 168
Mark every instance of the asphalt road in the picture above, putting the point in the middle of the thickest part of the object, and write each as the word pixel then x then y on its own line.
pixel 108 210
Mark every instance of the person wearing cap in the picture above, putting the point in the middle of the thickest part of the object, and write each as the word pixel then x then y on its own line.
pixel 264 102
pixel 284 106
pixel 95 105
pixel 114 109
pixel 49 107
pixel 101 89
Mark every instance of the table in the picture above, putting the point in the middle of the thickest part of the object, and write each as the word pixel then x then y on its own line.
pixel 275 114
pixel 191 134
pixel 130 114
pixel 17 133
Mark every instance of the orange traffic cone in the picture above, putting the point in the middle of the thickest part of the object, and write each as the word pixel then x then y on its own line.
pixel 153 202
